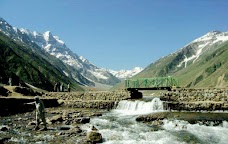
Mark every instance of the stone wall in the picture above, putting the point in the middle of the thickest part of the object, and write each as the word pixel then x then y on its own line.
pixel 196 99
pixel 91 99
pixel 96 95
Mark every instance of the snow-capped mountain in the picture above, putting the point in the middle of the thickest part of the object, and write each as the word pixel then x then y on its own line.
pixel 123 74
pixel 56 47
pixel 201 63
pixel 193 50
pixel 12 32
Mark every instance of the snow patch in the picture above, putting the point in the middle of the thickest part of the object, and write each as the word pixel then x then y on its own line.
pixel 66 73
pixel 98 74
pixel 123 74
pixel 47 35
pixel 59 40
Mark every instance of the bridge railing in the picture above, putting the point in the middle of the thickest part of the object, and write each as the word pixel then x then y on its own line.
pixel 151 82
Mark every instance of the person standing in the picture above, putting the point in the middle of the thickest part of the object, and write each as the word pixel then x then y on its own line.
pixel 40 113
pixel 10 81
pixel 61 87
pixel 55 87
pixel 68 87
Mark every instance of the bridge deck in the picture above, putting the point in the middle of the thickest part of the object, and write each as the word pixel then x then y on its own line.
pixel 152 88
pixel 158 83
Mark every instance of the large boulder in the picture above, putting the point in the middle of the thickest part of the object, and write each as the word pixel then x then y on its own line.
pixel 69 130
pixel 94 137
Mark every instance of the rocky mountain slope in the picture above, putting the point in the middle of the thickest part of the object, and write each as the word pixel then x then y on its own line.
pixel 89 74
pixel 201 63
pixel 28 64
pixel 56 47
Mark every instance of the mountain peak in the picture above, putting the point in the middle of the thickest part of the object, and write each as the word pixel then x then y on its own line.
pixel 47 35
pixel 2 20
pixel 26 31
pixel 213 37
pixel 212 33
pixel 123 74
pixel 4 23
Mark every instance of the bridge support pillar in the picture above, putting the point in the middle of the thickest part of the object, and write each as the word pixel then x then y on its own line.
pixel 135 94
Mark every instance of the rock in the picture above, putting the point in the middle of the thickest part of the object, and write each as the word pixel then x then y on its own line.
pixel 19 119
pixel 76 129
pixel 94 128
pixel 64 127
pixel 157 123
pixel 60 133
pixel 96 114
pixel 67 122
pixel 77 115
pixel 48 121
pixel 4 139
pixel 31 123
pixel 69 130
pixel 152 117
pixel 57 118
pixel 60 101
pixel 82 120
pixel 4 128
pixel 156 128
pixel 94 137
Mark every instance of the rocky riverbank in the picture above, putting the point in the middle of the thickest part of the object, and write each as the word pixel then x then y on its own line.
pixel 66 113
pixel 69 113
pixel 64 126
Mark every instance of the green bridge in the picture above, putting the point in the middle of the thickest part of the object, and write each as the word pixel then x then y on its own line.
pixel 158 83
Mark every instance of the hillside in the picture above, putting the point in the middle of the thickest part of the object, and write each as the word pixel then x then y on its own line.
pixel 27 63
pixel 201 63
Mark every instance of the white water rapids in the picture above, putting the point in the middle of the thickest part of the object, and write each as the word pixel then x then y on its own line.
pixel 120 127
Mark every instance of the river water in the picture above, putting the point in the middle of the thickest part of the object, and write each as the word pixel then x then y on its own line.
pixel 119 126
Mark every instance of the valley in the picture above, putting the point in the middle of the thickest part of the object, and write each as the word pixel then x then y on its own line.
pixel 95 107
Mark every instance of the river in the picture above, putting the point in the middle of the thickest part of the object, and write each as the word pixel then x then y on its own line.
pixel 119 126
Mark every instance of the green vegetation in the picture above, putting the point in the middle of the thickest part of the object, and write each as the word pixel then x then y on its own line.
pixel 213 68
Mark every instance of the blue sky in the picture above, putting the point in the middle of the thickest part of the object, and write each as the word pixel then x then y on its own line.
pixel 119 34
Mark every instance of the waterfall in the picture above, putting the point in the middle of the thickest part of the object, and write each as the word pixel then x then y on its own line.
pixel 139 107
pixel 119 126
